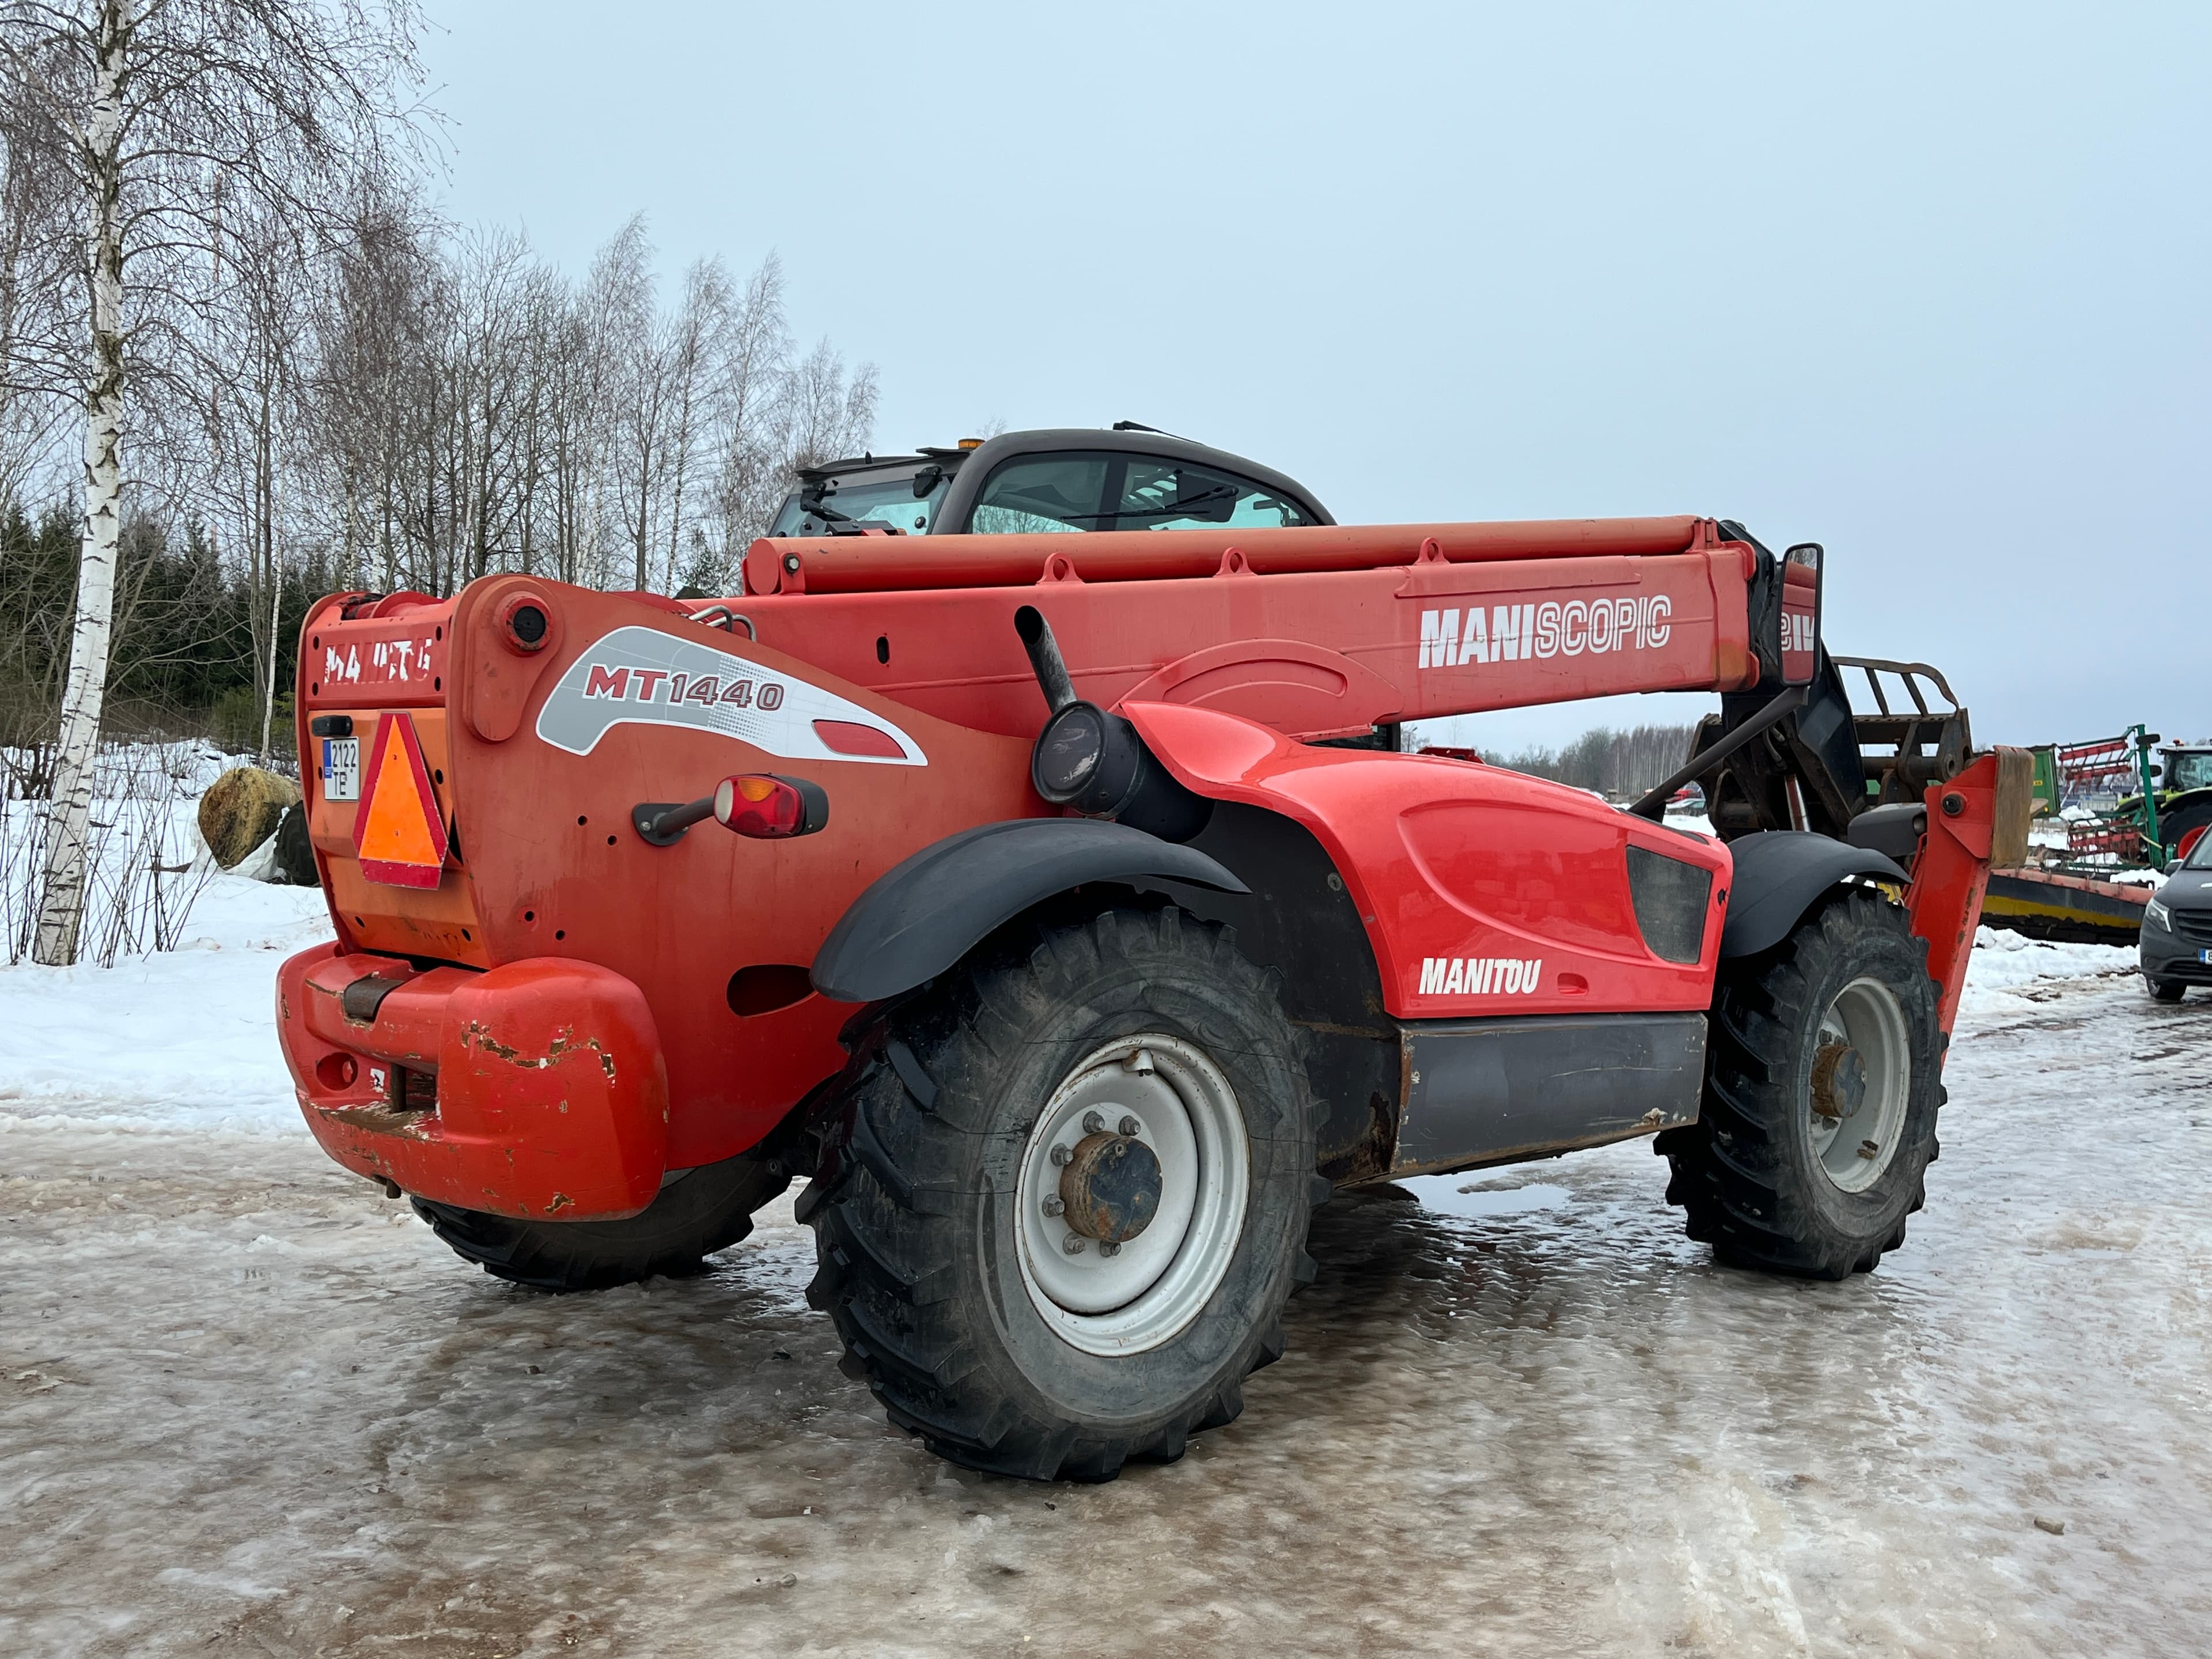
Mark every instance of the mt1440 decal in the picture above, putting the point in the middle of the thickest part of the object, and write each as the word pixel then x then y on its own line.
pixel 640 676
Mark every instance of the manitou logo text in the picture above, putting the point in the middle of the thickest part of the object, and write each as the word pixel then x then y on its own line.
pixel 1480 976
pixel 1516 633
pixel 1796 630
pixel 644 685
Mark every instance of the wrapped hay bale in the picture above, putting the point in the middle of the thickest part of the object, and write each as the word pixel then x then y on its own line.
pixel 241 810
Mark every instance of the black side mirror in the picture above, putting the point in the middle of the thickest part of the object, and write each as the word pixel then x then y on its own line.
pixel 1801 597
pixel 927 479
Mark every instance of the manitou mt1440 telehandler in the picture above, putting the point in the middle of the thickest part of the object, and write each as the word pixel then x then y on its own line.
pixel 1062 908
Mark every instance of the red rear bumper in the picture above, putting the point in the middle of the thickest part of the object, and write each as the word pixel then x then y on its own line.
pixel 550 1094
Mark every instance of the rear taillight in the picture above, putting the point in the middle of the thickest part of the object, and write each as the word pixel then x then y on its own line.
pixel 766 807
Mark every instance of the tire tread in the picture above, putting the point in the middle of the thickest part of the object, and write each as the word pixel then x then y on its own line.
pixel 1733 1181
pixel 669 1238
pixel 883 1223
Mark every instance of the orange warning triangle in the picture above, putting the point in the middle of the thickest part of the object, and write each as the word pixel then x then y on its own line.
pixel 398 836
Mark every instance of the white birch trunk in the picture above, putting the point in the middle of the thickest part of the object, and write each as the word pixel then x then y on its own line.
pixel 276 604
pixel 61 907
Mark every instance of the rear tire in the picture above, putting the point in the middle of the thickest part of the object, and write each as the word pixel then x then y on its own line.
pixel 2166 990
pixel 944 1262
pixel 1819 1118
pixel 2185 826
pixel 708 1209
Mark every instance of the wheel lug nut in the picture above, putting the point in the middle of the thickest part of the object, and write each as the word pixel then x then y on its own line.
pixel 1092 1124
pixel 1071 1244
pixel 1053 1207
pixel 1131 1127
pixel 1060 1155
pixel 1110 1248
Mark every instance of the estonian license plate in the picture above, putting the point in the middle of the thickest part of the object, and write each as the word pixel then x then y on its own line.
pixel 341 769
pixel 2205 957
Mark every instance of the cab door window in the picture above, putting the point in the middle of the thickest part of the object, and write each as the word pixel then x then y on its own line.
pixel 1165 494
pixel 1043 492
pixel 2189 771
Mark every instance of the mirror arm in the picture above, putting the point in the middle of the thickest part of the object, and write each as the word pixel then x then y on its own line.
pixel 663 822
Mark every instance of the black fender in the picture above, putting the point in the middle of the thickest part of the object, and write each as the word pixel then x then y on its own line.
pixel 921 916
pixel 1778 875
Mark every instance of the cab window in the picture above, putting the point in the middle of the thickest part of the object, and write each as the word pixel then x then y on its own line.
pixel 1163 495
pixel 886 499
pixel 1042 493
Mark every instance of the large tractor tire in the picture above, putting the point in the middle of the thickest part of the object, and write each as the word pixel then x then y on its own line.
pixel 1819 1118
pixel 703 1211
pixel 1065 1193
pixel 2185 826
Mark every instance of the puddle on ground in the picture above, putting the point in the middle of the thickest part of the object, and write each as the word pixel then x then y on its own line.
pixel 1462 1195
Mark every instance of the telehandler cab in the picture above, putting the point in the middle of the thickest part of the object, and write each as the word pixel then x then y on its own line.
pixel 1061 908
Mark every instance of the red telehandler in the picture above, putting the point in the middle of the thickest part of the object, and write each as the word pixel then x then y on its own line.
pixel 1061 908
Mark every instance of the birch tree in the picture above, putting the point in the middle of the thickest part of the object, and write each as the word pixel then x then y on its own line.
pixel 163 109
pixel 754 377
pixel 827 414
pixel 619 302
pixel 39 280
pixel 695 340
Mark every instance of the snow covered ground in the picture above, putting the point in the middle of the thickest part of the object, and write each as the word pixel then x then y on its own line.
pixel 247 1404
pixel 183 1039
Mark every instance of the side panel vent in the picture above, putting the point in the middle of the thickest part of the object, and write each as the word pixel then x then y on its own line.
pixel 1671 900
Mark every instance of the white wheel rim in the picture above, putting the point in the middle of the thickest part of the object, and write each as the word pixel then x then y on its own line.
pixel 1854 1143
pixel 1157 1282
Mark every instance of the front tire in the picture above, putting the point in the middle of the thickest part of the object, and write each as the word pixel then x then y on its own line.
pixel 2166 990
pixel 704 1210
pixel 981 1304
pixel 1819 1118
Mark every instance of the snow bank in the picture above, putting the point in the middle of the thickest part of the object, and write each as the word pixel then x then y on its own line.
pixel 186 1039
pixel 2005 965
pixel 178 1039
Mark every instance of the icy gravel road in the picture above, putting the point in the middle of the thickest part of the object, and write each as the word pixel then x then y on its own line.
pixel 245 1406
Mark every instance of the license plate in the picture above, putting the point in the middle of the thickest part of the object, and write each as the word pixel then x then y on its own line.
pixel 341 769
pixel 2205 957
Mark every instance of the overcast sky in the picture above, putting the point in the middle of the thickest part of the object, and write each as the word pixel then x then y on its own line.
pixel 1925 283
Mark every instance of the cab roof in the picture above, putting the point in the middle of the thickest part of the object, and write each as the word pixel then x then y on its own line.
pixel 1125 438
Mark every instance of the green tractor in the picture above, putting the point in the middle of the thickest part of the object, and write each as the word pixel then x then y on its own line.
pixel 2180 804
pixel 2122 816
pixel 2138 820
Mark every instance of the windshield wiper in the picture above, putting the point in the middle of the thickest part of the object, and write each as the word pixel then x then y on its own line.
pixel 1179 508
pixel 1182 506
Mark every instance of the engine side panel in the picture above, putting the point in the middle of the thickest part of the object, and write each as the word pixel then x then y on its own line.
pixel 1482 892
